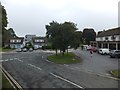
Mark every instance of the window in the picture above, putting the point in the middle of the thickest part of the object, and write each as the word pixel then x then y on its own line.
pixel 113 37
pixel 18 40
pixel 41 40
pixel 106 38
pixel 37 40
pixel 12 41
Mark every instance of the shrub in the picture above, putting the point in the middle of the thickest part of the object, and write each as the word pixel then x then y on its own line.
pixel 46 47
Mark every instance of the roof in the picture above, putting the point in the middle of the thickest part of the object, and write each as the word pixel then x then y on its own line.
pixel 110 32
pixel 38 38
pixel 41 38
pixel 18 38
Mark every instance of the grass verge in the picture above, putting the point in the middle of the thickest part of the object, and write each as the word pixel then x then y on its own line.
pixel 5 50
pixel 0 49
pixel 6 83
pixel 116 73
pixel 64 59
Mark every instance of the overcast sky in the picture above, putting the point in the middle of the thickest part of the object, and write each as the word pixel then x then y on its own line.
pixel 31 16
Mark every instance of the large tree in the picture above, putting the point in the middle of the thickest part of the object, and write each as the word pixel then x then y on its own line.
pixel 6 33
pixel 52 31
pixel 77 39
pixel 62 35
pixel 0 25
pixel 4 25
pixel 88 35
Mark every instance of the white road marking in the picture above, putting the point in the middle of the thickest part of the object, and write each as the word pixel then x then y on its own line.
pixel 19 60
pixel 107 74
pixel 34 66
pixel 4 60
pixel 11 59
pixel 66 65
pixel 48 61
pixel 66 80
pixel 15 58
pixel 108 77
pixel 42 57
pixel 91 72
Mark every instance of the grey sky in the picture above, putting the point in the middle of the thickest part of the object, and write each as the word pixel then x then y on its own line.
pixel 31 16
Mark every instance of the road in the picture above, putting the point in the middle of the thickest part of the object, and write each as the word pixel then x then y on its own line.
pixel 33 70
pixel 100 64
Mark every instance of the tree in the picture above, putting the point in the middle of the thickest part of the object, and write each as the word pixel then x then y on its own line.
pixel 29 45
pixel 77 39
pixel 4 24
pixel 88 35
pixel 6 34
pixel 52 32
pixel 62 35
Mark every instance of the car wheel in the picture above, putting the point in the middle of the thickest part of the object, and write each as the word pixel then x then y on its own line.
pixel 111 57
pixel 116 56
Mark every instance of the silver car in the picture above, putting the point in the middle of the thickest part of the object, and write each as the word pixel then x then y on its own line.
pixel 30 49
pixel 24 49
pixel 18 50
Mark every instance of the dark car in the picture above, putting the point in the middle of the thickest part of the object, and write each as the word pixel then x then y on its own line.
pixel 115 54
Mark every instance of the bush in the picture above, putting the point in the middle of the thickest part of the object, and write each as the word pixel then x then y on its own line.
pixel 6 48
pixel 46 47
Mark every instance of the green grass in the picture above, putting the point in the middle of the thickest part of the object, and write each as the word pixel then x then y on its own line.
pixel 116 73
pixel 64 59
pixel 5 83
pixel 5 49
pixel 0 49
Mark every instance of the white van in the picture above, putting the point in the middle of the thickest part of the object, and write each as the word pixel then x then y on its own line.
pixel 104 51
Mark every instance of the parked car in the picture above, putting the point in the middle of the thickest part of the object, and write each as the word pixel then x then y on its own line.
pixel 94 49
pixel 89 48
pixel 18 50
pixel 103 51
pixel 115 54
pixel 30 49
pixel 35 47
pixel 24 49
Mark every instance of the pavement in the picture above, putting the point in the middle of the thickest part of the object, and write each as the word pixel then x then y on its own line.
pixel 33 70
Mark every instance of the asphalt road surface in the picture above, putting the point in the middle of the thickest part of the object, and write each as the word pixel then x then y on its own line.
pixel 33 70
pixel 101 64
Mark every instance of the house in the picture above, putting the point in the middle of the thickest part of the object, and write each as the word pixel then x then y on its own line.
pixel 16 42
pixel 109 39
pixel 38 42
pixel 28 38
